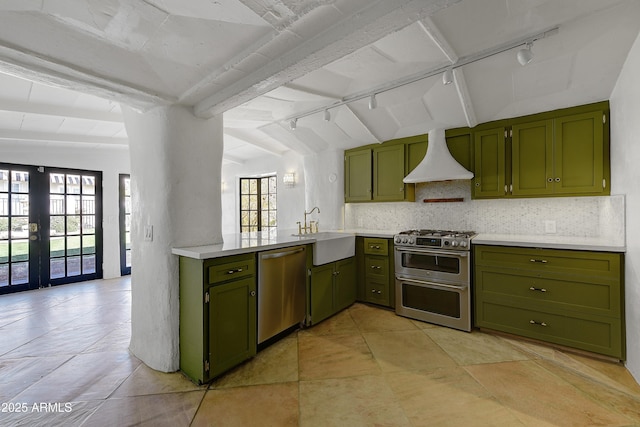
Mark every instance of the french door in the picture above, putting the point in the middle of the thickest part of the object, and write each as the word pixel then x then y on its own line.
pixel 50 226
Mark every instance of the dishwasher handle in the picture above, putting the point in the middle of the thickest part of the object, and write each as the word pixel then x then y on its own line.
pixel 282 254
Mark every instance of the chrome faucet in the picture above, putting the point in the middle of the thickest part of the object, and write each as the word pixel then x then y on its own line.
pixel 311 227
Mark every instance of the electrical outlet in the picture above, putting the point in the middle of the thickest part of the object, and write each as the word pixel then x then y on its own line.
pixel 148 233
pixel 550 227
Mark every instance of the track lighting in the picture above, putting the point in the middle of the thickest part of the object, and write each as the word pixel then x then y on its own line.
pixel 525 55
pixel 327 115
pixel 373 103
pixel 447 77
pixel 293 124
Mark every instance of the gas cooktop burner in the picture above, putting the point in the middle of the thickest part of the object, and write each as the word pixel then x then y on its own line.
pixel 438 233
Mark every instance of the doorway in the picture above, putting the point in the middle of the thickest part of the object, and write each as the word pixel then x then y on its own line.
pixel 50 226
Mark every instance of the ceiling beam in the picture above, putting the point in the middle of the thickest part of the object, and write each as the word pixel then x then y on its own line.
pixel 465 97
pixel 21 135
pixel 59 111
pixel 238 134
pixel 342 37
pixel 429 27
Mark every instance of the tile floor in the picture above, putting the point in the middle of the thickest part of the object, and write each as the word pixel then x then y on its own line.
pixel 64 360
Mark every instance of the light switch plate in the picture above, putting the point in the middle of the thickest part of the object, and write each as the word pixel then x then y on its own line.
pixel 148 233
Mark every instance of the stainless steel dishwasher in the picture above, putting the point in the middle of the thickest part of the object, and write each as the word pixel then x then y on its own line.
pixel 281 290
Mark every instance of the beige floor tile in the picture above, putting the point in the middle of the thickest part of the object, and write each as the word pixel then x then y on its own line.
pixel 18 374
pixel 622 400
pixel 277 363
pixel 160 410
pixel 341 323
pixel 471 348
pixel 406 351
pixel 357 401
pixel 448 397
pixel 334 356
pixel 118 339
pixel 537 396
pixel 261 405
pixel 615 372
pixel 92 376
pixel 145 381
pixel 378 319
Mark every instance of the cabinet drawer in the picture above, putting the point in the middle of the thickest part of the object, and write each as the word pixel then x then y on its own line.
pixel 230 268
pixel 374 246
pixel 593 333
pixel 377 292
pixel 376 266
pixel 583 263
pixel 560 294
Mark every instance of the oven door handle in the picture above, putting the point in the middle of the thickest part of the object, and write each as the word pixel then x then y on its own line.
pixel 461 254
pixel 433 285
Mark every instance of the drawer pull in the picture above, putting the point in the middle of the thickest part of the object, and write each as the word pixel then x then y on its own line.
pixel 374 246
pixel 375 267
pixel 541 261
pixel 538 289
pixel 235 270
pixel 533 322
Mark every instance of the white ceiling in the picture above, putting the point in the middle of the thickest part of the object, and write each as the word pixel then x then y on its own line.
pixel 68 64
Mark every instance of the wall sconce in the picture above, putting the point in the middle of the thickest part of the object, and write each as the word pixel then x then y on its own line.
pixel 289 179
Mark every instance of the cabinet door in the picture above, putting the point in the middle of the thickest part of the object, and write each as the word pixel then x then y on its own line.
pixel 357 175
pixel 489 159
pixel 388 173
pixel 415 153
pixel 460 148
pixel 232 324
pixel 532 158
pixel 321 292
pixel 579 154
pixel 345 287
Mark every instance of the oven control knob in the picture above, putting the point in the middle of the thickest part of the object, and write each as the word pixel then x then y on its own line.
pixel 454 243
pixel 411 240
pixel 463 244
pixel 398 239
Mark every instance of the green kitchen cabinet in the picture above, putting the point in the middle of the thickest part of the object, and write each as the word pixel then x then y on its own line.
pixel 376 276
pixel 561 156
pixel 375 174
pixel 388 173
pixel 217 314
pixel 357 175
pixel 332 289
pixel 490 168
pixel 566 297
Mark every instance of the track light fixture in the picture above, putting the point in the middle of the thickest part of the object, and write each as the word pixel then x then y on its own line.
pixel 327 115
pixel 293 124
pixel 447 77
pixel 525 55
pixel 373 103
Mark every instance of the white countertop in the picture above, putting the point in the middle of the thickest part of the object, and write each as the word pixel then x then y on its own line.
pixel 551 241
pixel 241 243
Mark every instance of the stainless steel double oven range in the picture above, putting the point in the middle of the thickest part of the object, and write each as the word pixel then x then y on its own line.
pixel 433 276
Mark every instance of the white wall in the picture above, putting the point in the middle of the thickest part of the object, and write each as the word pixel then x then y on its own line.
pixel 109 160
pixel 625 160
pixel 290 199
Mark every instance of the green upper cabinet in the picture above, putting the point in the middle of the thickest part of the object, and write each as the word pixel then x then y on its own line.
pixel 490 172
pixel 578 154
pixel 388 172
pixel 532 158
pixel 375 174
pixel 357 175
pixel 558 153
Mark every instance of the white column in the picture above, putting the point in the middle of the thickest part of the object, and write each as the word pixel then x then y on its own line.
pixel 176 160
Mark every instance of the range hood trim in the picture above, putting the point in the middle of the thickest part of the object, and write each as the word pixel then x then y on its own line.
pixel 438 164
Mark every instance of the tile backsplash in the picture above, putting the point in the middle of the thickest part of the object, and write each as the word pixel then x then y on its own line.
pixel 572 216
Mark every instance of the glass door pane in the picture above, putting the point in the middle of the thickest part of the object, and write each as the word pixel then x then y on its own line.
pixel 125 224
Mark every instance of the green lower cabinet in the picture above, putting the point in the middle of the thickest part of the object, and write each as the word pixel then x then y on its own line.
pixel 332 289
pixel 217 314
pixel 232 324
pixel 570 298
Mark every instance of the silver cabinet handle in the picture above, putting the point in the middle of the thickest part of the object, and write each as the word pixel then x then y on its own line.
pixel 374 246
pixel 538 289
pixel 541 261
pixel 252 293
pixel 533 322
pixel 235 270
pixel 375 267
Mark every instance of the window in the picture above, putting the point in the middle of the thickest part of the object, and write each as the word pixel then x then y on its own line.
pixel 125 224
pixel 258 203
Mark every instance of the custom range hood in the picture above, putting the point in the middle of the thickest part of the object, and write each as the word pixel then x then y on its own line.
pixel 438 164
